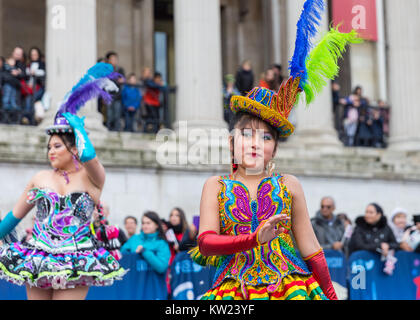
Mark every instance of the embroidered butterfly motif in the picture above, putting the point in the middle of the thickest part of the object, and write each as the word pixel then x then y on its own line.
pixel 244 214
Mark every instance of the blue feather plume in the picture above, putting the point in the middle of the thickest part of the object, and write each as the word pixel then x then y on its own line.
pixel 94 84
pixel 307 25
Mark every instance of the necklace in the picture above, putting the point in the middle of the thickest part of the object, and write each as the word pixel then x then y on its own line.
pixel 65 174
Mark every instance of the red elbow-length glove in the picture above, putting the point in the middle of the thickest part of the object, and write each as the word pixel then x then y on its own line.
pixel 213 244
pixel 319 268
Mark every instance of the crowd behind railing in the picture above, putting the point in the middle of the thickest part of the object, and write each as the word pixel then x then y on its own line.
pixel 141 105
pixel 358 121
pixel 144 102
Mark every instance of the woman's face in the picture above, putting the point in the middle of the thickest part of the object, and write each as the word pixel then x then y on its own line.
pixel 34 55
pixel 371 215
pixel 148 226
pixel 174 218
pixel 400 220
pixel 58 154
pixel 254 146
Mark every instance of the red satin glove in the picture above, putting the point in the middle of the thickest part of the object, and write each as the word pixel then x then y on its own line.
pixel 319 268
pixel 212 244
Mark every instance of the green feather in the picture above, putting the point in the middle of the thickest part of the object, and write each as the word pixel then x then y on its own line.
pixel 322 63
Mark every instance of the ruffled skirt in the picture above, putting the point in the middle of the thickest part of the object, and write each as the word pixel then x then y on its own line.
pixel 21 264
pixel 293 287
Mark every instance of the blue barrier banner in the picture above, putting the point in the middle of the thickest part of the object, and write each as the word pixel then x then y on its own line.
pixel 189 281
pixel 337 266
pixel 368 281
pixel 140 283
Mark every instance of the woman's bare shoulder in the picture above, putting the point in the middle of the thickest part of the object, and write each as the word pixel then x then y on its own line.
pixel 292 183
pixel 41 176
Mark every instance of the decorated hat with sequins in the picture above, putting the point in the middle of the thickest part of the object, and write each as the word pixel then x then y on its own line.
pixel 96 83
pixel 310 69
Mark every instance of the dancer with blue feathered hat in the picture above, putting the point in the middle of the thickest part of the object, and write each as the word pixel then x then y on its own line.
pixel 247 218
pixel 63 259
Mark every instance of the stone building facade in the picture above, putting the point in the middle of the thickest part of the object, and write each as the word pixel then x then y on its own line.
pixel 206 39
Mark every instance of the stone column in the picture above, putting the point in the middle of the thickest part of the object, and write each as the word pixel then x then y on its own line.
pixel 143 35
pixel 404 70
pixel 198 64
pixel 71 49
pixel 314 124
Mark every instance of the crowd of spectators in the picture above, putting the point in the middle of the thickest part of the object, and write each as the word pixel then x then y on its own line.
pixel 358 121
pixel 22 87
pixel 371 232
pixel 138 106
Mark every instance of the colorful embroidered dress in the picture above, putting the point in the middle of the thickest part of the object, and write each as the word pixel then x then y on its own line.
pixel 271 271
pixel 62 252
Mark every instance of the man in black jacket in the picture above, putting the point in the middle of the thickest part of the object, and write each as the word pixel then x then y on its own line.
pixel 245 78
pixel 329 230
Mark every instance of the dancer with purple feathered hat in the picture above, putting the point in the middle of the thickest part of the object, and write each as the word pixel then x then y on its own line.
pixel 63 259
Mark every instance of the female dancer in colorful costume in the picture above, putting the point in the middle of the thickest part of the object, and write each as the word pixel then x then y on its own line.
pixel 63 259
pixel 247 218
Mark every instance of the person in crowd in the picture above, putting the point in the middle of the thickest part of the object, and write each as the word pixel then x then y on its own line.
pixel 130 226
pixel 131 101
pixel 339 108
pixel 150 243
pixel 11 85
pixel 278 75
pixel 185 234
pixel 399 223
pixel 377 128
pixel 34 88
pixel 358 91
pixel 363 136
pixel 152 102
pixel 114 110
pixel 329 230
pixel 411 238
pixel 372 232
pixel 245 78
pixel 229 90
pixel 351 122
pixel 348 231
pixel 268 80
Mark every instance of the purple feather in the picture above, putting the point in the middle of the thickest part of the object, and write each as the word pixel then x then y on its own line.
pixel 83 94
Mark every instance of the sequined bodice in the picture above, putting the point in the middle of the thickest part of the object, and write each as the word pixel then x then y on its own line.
pixel 266 264
pixel 62 222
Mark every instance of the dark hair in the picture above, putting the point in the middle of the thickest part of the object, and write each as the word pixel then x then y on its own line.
pixel 183 218
pixel 378 208
pixel 110 54
pixel 40 55
pixel 158 74
pixel 68 139
pixel 130 217
pixel 155 218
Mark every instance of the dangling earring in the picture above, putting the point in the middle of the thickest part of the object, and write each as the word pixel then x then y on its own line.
pixel 234 167
pixel 76 163
pixel 270 167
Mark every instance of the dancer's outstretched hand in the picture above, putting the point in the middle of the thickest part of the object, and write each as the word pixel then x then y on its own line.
pixel 270 229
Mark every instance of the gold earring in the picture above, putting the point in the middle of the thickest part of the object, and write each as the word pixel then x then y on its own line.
pixel 270 167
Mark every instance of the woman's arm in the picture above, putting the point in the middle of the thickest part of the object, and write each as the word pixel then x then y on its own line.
pixel 159 261
pixel 306 240
pixel 96 172
pixel 20 210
